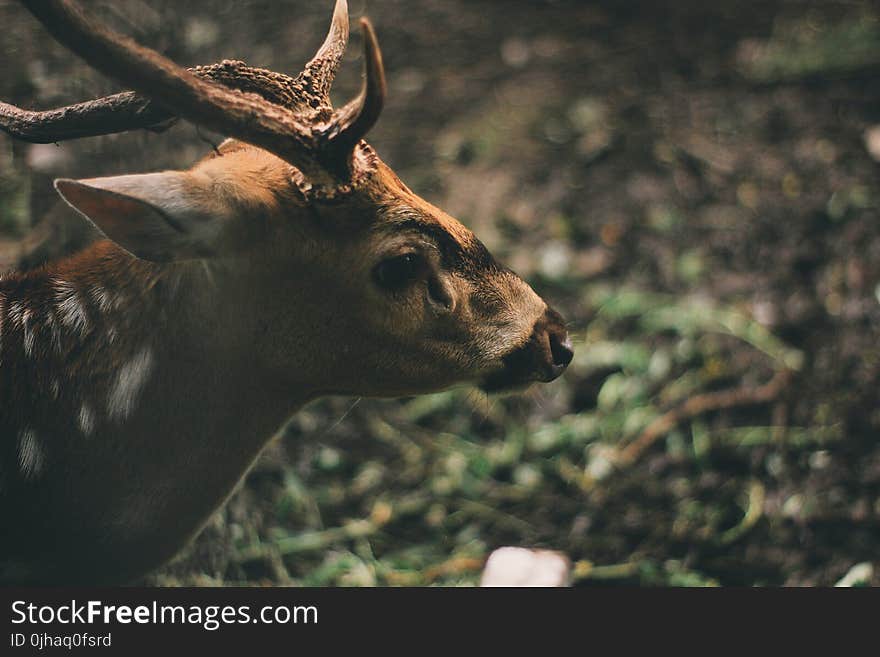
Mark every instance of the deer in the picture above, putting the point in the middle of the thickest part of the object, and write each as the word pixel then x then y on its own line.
pixel 141 377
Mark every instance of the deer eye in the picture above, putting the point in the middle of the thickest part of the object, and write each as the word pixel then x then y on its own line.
pixel 398 272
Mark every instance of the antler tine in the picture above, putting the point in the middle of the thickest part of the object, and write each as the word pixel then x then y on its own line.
pixel 320 71
pixel 351 122
pixel 129 111
pixel 291 118
pixel 103 116
pixel 243 115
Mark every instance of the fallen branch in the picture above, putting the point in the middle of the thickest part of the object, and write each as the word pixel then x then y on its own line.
pixel 700 404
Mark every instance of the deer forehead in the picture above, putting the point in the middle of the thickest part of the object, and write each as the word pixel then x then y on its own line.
pixel 248 176
pixel 401 205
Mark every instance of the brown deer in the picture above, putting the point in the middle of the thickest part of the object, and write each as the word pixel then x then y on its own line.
pixel 140 378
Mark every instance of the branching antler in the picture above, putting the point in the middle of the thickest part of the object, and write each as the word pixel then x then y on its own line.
pixel 130 111
pixel 104 116
pixel 290 117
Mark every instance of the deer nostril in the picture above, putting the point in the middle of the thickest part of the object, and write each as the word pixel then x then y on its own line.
pixel 561 349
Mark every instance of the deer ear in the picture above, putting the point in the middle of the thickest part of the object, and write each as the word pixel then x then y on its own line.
pixel 154 216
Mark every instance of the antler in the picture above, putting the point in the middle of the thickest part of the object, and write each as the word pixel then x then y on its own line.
pixel 289 117
pixel 351 122
pixel 129 111
pixel 318 74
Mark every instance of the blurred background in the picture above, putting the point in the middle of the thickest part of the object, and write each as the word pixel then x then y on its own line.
pixel 694 185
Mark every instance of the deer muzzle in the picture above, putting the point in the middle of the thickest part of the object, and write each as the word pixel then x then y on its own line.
pixel 544 356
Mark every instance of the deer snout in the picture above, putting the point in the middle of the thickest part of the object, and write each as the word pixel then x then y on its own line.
pixel 543 357
pixel 561 351
pixel 553 343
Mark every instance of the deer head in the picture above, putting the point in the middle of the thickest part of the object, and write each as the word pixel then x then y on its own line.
pixel 346 280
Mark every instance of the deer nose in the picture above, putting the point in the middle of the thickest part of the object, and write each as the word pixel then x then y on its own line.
pixel 554 345
pixel 543 357
pixel 560 349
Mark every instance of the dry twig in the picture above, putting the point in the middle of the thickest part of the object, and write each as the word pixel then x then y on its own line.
pixel 700 404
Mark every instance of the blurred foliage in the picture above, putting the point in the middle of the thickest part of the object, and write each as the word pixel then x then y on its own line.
pixel 15 193
pixel 810 47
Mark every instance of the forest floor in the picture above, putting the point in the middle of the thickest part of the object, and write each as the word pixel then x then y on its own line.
pixel 694 185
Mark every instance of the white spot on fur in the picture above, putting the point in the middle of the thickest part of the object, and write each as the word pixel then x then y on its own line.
pixel 129 382
pixel 20 315
pixel 29 337
pixel 55 388
pixel 71 309
pixel 101 298
pixel 86 419
pixel 30 454
pixel 54 332
pixel 15 311
pixel 106 300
